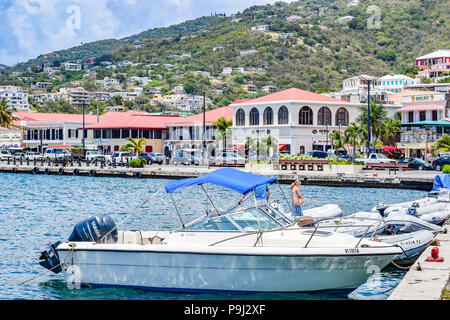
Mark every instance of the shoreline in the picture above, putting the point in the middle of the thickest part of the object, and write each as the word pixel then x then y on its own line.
pixel 419 180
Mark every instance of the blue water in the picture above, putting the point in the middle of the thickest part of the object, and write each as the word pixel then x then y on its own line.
pixel 38 209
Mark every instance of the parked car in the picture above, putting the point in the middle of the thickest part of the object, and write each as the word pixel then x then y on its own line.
pixel 160 157
pixel 57 154
pixel 229 159
pixel 33 156
pixel 440 162
pixel 149 157
pixel 416 163
pixel 5 154
pixel 321 154
pixel 376 158
pixel 17 156
pixel 94 155
pixel 119 157
pixel 184 158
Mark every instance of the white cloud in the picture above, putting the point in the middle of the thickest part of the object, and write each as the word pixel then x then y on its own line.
pixel 41 26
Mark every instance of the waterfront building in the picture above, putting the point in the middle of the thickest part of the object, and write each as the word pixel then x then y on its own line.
pixel 17 97
pixel 188 133
pixel 43 130
pixel 422 114
pixel 300 121
pixel 111 131
pixel 10 137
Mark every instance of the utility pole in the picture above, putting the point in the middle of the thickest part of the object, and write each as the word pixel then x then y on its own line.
pixel 204 124
pixel 83 137
pixel 368 117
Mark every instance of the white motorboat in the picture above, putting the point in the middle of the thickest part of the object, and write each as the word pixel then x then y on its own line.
pixel 325 212
pixel 438 218
pixel 360 224
pixel 256 249
pixel 412 244
pixel 405 223
pixel 328 211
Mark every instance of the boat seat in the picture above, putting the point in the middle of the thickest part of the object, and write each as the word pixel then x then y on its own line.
pixel 304 221
pixel 132 237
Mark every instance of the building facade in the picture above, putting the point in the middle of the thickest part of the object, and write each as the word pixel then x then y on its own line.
pixel 300 121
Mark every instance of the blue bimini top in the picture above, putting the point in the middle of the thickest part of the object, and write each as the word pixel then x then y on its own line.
pixel 240 181
pixel 441 181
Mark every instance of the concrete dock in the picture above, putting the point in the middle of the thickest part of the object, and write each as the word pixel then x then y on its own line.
pixel 426 280
pixel 418 180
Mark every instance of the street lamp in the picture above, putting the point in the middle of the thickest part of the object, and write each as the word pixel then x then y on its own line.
pixel 369 83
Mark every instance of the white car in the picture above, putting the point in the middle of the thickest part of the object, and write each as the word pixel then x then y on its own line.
pixel 94 155
pixel 377 158
pixel 33 156
pixel 5 155
pixel 119 157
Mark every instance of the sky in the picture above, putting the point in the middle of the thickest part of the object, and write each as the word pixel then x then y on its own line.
pixel 34 27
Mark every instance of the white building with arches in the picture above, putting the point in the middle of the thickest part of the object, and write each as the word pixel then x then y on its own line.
pixel 298 120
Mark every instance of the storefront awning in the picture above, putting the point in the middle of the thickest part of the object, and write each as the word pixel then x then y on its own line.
pixel 282 147
pixel 421 108
pixel 427 124
pixel 238 147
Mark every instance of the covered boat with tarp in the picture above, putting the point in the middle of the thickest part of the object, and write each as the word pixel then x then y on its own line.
pixel 237 249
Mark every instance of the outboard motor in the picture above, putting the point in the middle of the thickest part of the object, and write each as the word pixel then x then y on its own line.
pixel 98 228
pixel 94 229
pixel 412 211
pixel 381 208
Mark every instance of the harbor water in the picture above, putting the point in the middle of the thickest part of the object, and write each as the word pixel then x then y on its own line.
pixel 37 210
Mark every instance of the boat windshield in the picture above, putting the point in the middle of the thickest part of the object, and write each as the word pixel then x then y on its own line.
pixel 254 219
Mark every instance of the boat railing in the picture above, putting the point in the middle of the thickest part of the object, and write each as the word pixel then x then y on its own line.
pixel 315 229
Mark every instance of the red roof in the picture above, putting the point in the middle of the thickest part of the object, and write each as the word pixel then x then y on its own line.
pixel 421 108
pixel 54 117
pixel 293 94
pixel 136 121
pixel 210 116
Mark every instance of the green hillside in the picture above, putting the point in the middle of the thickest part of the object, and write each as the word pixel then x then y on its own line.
pixel 105 47
pixel 321 53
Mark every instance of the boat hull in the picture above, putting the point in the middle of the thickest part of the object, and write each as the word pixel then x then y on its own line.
pixel 232 273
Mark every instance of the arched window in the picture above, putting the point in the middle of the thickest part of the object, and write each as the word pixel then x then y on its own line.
pixel 283 115
pixel 324 116
pixel 254 117
pixel 305 116
pixel 268 116
pixel 342 117
pixel 240 118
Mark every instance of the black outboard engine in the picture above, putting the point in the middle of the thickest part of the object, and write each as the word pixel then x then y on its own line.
pixel 98 228
pixel 95 229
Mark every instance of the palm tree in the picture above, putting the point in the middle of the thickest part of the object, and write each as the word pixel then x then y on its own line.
pixel 337 140
pixel 353 135
pixel 6 116
pixel 268 143
pixel 442 144
pixel 378 115
pixel 136 146
pixel 223 129
pixel 388 130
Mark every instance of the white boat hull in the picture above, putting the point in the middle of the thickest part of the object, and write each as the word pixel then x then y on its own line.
pixel 260 271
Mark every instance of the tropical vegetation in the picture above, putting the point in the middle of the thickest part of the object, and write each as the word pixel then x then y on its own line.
pixel 135 145
pixel 6 116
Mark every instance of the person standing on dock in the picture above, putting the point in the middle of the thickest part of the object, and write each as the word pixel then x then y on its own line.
pixel 262 195
pixel 297 199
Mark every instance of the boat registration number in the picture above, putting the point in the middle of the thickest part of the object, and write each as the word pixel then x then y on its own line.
pixel 352 250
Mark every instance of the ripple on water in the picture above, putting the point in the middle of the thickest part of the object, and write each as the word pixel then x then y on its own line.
pixel 47 207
